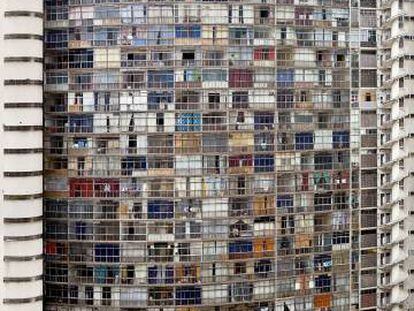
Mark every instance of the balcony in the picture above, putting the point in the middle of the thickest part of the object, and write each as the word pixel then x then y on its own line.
pixel 369 240
pixel 368 280
pixel 368 300
pixel 399 298
pixel 387 262
pixel 368 220
pixel 386 160
pixel 368 160
pixel 368 141
pixel 368 198
pixel 369 260
pixel 369 179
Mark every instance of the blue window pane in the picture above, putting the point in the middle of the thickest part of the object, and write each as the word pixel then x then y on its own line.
pixel 188 31
pixel 159 209
pixel 340 139
pixel 188 122
pixel 264 163
pixel 107 253
pixel 188 295
pixel 241 247
pixel 304 141
pixel 160 78
pixel 285 78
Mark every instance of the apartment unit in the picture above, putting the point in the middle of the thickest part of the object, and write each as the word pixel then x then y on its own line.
pixel 21 162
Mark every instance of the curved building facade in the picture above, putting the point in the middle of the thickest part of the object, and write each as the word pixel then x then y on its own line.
pixel 396 178
pixel 21 134
pixel 199 156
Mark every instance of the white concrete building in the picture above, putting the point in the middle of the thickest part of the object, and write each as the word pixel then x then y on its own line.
pixel 396 143
pixel 21 169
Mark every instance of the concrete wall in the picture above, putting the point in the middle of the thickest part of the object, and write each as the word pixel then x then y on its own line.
pixel 21 120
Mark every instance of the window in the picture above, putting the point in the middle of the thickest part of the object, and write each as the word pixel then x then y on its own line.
pixel 188 295
pixel 323 161
pixel 130 164
pixel 158 209
pixel 188 57
pixel 340 237
pixel 264 13
pixel 303 96
pixel 213 100
pixel 213 58
pixel 264 163
pixel 105 36
pixel 240 247
pixel 188 31
pixel 285 77
pixel 106 296
pixel 265 53
pixel 133 80
pixel 240 36
pixel 263 120
pixel 285 98
pixel 240 100
pixel 283 33
pixel 107 253
pixel 323 283
pixel 368 38
pixel 400 22
pixel 401 103
pixel 160 275
pixel 262 267
pixel 340 139
pixel 160 78
pixel 192 75
pixel 81 59
pixel 81 124
pixel 102 12
pixel 401 143
pixel 240 161
pixel 188 122
pixel 304 141
pixel 210 75
pixel 240 78
pixel 56 39
pixel 159 100
pixel 56 78
pixel 284 203
pixel 239 268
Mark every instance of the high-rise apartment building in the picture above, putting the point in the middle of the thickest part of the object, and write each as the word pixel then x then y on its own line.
pixel 199 156
pixel 21 161
pixel 206 155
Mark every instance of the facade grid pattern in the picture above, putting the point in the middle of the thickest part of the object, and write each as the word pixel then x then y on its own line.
pixel 202 155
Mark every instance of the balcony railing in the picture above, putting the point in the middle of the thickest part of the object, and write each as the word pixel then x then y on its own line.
pixel 368 240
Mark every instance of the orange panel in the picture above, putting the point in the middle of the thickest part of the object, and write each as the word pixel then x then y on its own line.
pixel 322 301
